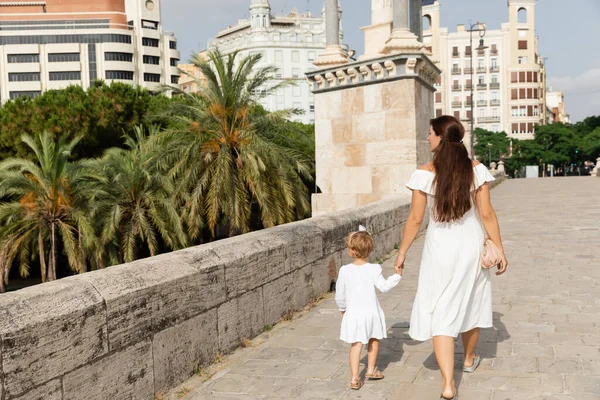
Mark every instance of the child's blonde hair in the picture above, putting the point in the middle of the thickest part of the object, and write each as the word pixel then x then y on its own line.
pixel 360 243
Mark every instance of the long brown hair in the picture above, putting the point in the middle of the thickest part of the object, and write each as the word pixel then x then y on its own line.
pixel 453 171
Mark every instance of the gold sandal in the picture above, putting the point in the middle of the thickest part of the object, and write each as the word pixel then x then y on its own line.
pixel 375 375
pixel 356 385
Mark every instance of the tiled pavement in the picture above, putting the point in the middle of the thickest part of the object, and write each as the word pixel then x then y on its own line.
pixel 545 344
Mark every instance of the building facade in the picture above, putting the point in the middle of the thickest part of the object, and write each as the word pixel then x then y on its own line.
pixel 555 102
pixel 191 79
pixel 506 78
pixel 291 43
pixel 52 44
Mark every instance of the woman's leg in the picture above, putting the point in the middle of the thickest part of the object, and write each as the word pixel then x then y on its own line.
pixel 470 340
pixel 444 353
pixel 355 349
pixel 372 355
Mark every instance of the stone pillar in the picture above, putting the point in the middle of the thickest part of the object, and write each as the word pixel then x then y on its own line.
pixel 401 38
pixel 501 168
pixel 379 31
pixel 596 170
pixel 334 53
pixel 416 19
pixel 371 128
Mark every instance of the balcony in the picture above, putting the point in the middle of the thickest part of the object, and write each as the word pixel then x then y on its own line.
pixel 468 86
pixel 494 68
pixel 494 52
pixel 455 54
pixel 494 85
pixel 457 104
pixel 482 103
pixel 495 118
pixel 456 71
pixel 468 103
pixel 456 88
pixel 495 102
pixel 482 86
pixel 468 53
pixel 481 52
pixel 468 70
pixel 482 69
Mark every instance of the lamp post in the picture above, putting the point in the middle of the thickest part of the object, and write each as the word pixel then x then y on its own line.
pixel 489 145
pixel 481 30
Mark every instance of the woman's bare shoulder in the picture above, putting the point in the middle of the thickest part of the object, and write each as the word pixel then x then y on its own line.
pixel 476 163
pixel 427 167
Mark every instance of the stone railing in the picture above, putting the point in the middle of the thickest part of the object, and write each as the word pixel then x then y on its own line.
pixel 138 329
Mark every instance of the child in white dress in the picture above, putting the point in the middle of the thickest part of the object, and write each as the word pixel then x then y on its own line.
pixel 363 320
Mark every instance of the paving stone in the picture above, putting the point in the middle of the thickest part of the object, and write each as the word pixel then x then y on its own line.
pixel 516 395
pixel 582 384
pixel 516 364
pixel 560 366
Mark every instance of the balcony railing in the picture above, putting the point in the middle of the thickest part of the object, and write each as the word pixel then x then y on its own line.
pixel 456 71
pixel 457 104
pixel 494 52
pixel 468 86
pixel 495 118
pixel 482 86
pixel 482 69
pixel 495 102
pixel 468 53
pixel 481 103
pixel 468 70
pixel 468 103
pixel 494 85
pixel 494 68
pixel 455 54
pixel 456 88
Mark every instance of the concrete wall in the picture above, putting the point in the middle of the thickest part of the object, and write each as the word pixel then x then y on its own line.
pixel 133 330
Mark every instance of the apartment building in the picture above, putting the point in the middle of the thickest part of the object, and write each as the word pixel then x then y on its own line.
pixel 501 83
pixel 52 44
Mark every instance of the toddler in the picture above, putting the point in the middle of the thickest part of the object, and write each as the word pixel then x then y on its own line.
pixel 363 321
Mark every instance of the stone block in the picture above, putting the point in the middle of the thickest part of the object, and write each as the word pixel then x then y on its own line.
pixel 399 95
pixel 149 295
pixel 277 298
pixel 302 289
pixel 48 330
pixel 353 101
pixel 368 130
pixel 324 272
pixel 351 180
pixel 354 155
pixel 250 262
pixel 373 101
pixel 178 350
pixel 324 132
pixel 48 391
pixel 400 124
pixel 302 242
pixel 328 105
pixel 335 227
pixel 240 318
pixel 390 152
pixel 341 130
pixel 126 374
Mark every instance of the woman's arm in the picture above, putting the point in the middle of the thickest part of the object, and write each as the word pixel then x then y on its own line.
pixel 490 221
pixel 412 226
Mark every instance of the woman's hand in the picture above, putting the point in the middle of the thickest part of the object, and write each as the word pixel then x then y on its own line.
pixel 502 266
pixel 399 263
pixel 342 313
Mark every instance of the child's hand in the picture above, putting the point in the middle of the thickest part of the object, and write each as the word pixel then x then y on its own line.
pixel 399 269
pixel 342 313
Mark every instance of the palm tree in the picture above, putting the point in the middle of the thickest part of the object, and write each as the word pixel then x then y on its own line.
pixel 219 151
pixel 40 210
pixel 135 208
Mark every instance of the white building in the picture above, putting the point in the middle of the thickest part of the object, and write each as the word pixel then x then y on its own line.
pixel 291 43
pixel 52 44
pixel 507 76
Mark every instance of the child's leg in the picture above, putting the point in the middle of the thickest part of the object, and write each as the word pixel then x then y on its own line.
pixel 372 355
pixel 355 349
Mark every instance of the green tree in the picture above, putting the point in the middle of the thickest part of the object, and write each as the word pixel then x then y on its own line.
pixel 135 211
pixel 222 155
pixel 43 209
pixel 491 145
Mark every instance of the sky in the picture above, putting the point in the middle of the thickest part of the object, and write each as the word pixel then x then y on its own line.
pixel 568 36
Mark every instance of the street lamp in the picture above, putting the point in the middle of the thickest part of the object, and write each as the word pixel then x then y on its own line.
pixel 489 154
pixel 481 29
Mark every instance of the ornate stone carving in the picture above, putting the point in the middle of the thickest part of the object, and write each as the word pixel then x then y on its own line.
pixel 366 72
pixel 411 63
pixel 391 67
pixel 354 75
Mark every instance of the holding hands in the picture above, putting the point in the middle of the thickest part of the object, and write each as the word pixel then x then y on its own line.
pixel 399 263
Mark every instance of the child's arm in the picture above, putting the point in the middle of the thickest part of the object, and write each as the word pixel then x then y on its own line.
pixel 340 291
pixel 385 285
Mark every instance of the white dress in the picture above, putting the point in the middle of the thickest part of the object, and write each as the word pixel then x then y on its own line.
pixel 454 294
pixel 355 294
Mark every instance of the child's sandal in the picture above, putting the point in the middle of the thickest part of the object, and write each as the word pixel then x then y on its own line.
pixel 375 375
pixel 356 385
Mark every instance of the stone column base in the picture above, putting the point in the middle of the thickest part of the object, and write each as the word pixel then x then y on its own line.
pixel 331 56
pixel 403 40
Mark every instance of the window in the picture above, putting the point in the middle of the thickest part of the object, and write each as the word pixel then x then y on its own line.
pixel 536 111
pixel 278 55
pixel 481 113
pixel 481 95
pixel 65 76
pixel 27 93
pixel 152 60
pixel 494 78
pixel 494 63
pixel 92 62
pixel 149 24
pixel 481 63
pixel 515 128
pixel 295 56
pixel 535 76
pixel 174 79
pixel 311 56
pixel 456 114
pixel 522 60
pixel 311 108
pixel 122 75
pixel 276 37
pixel 468 50
pixel 530 111
pixel 64 57
pixel 522 76
pixel 522 93
pixel 514 94
pixel 150 42
pixel 295 72
pixel 438 113
pixel 522 44
pixel 514 77
pixel 495 128
pixel 529 76
pixel 174 62
pixel 494 95
pixel 76 38
pixel 115 56
pixel 455 51
pixel 23 76
pixel 495 112
pixel 438 97
pixel 151 77
pixel 23 58
pixel 481 80
pixel 55 24
pixel 494 49
pixel 296 91
pixel 172 45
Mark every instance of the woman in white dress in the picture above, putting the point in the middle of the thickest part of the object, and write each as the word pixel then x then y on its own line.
pixel 454 294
